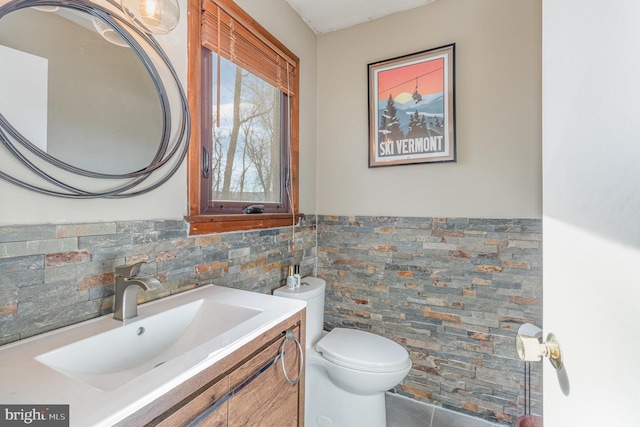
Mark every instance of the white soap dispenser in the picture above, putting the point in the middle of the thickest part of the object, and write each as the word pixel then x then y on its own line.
pixel 291 280
pixel 296 276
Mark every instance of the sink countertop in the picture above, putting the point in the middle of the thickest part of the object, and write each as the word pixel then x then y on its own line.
pixel 24 380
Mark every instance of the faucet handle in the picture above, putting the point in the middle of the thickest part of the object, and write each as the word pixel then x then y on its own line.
pixel 129 270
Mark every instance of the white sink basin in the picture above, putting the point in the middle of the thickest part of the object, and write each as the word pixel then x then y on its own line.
pixel 113 358
pixel 105 370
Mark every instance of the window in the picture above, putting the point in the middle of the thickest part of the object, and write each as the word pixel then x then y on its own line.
pixel 243 95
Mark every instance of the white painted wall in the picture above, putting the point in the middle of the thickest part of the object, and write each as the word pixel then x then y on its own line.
pixel 23 78
pixel 498 108
pixel 591 104
pixel 20 206
pixel 31 105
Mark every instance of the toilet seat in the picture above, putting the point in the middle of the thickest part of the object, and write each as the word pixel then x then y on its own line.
pixel 363 351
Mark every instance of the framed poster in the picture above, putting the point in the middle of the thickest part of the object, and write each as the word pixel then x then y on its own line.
pixel 412 109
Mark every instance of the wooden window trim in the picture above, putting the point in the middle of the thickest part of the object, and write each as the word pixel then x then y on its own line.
pixel 203 224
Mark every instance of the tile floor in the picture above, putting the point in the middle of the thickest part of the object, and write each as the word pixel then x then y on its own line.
pixel 405 412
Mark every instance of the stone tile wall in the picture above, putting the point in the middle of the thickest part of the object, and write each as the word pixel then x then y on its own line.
pixel 452 291
pixel 56 275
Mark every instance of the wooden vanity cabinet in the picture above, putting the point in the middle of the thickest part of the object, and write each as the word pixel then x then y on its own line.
pixel 246 388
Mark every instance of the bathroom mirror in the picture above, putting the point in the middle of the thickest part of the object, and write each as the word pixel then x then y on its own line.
pixel 90 106
pixel 96 87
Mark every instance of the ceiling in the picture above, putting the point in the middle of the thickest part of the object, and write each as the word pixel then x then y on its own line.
pixel 324 16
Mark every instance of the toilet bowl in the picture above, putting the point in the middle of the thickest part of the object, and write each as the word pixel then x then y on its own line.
pixel 347 370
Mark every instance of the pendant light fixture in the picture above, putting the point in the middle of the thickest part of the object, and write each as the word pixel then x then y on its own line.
pixel 46 8
pixel 108 33
pixel 152 16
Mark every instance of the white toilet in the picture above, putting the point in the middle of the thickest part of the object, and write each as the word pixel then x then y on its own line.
pixel 347 371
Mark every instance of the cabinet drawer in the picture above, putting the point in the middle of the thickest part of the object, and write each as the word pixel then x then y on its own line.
pixel 200 404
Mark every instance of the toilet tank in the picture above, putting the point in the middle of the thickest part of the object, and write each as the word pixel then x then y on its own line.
pixel 312 291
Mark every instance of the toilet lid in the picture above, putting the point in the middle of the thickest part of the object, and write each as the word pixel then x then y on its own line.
pixel 362 351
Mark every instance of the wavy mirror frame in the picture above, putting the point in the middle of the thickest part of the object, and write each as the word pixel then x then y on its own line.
pixel 171 151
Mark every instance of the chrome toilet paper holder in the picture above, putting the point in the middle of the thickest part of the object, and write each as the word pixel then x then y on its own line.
pixel 531 348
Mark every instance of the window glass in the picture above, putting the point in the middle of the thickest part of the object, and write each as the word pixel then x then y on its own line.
pixel 246 142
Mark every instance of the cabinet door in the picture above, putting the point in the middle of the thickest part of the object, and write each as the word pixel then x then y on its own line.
pixel 199 405
pixel 269 400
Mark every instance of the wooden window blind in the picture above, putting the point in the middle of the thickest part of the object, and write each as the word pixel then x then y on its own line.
pixel 230 32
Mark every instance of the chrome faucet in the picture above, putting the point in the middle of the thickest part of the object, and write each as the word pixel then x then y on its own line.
pixel 125 305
